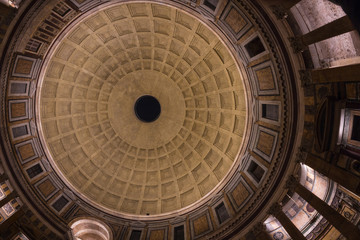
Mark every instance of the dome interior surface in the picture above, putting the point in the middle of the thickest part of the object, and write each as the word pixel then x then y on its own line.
pixel 93 79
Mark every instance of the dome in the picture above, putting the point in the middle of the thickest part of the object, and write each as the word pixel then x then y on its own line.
pixel 179 119
pixel 95 75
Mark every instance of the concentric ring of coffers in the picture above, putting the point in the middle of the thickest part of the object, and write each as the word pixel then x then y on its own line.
pixel 244 190
pixel 91 84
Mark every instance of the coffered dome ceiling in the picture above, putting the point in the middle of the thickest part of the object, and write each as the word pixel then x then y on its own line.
pixel 93 79
pixel 222 142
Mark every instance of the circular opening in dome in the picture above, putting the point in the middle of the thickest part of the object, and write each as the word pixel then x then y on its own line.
pixel 147 108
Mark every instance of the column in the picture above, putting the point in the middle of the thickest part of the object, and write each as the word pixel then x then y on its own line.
pixel 339 175
pixel 348 73
pixel 350 8
pixel 345 227
pixel 259 232
pixel 292 230
pixel 332 29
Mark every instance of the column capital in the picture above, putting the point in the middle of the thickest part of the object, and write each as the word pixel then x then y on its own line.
pixel 275 209
pixel 3 177
pixel 279 12
pixel 258 228
pixel 297 44
pixel 301 155
pixel 305 77
pixel 291 183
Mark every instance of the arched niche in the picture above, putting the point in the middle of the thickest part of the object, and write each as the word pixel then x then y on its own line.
pixel 90 229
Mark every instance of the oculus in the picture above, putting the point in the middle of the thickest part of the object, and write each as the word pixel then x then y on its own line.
pixel 147 108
